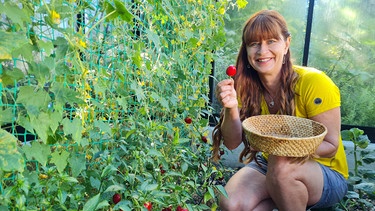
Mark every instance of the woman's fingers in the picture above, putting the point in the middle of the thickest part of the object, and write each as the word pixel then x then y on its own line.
pixel 226 94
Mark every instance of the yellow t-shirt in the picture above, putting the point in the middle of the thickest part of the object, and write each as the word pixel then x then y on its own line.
pixel 315 94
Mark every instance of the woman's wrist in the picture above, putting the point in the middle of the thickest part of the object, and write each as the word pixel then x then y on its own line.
pixel 232 113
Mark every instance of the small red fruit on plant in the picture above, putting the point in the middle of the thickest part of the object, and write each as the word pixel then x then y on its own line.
pixel 162 171
pixel 231 70
pixel 188 120
pixel 179 208
pixel 204 139
pixel 116 198
pixel 167 208
pixel 148 206
pixel 222 152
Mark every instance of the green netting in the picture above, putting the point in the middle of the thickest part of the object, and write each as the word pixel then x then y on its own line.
pixel 92 86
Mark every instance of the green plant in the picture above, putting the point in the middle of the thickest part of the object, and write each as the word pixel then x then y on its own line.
pixel 106 97
pixel 360 179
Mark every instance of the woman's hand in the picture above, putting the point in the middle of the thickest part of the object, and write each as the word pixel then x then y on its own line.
pixel 226 94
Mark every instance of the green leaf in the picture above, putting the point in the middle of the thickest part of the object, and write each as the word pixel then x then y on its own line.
pixel 152 36
pixel 95 183
pixel 103 126
pixel 221 190
pixel 40 71
pixel 60 160
pixel 77 163
pixel 9 42
pixel 125 205
pixel 40 152
pixel 48 123
pixel 42 129
pixel 356 132
pixel 369 159
pixel 70 179
pixel 122 102
pixel 24 121
pixel 138 91
pixel 73 127
pixel 352 195
pixel 34 101
pixel 110 10
pixel 103 204
pixel 148 187
pixel 64 94
pixel 366 186
pixel 16 14
pixel 10 77
pixel 61 49
pixel 363 141
pixel 46 46
pixel 123 12
pixel 92 203
pixel 6 115
pixel 107 170
pixel 154 152
pixel 114 188
pixel 347 135
pixel 137 59
pixel 176 137
pixel 10 158
pixel 207 196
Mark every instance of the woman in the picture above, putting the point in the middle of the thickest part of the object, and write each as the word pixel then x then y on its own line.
pixel 267 83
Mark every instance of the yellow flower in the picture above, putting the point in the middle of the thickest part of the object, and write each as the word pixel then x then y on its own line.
pixel 55 17
pixel 88 157
pixel 82 43
pixel 221 11
pixel 7 175
pixel 43 176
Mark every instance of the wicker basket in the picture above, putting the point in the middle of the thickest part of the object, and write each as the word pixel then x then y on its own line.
pixel 284 135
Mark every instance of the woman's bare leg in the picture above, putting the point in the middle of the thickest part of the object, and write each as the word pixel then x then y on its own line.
pixel 246 191
pixel 292 186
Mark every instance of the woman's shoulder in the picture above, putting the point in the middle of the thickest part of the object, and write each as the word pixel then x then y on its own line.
pixel 312 78
pixel 310 73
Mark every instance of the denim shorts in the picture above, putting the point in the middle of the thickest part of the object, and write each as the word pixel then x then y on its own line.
pixel 334 189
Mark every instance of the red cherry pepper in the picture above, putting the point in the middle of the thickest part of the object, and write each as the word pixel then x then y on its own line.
pixel 231 70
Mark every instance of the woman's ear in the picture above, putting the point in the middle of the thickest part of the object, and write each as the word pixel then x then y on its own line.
pixel 287 44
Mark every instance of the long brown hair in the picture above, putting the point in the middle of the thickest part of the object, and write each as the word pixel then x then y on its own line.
pixel 263 25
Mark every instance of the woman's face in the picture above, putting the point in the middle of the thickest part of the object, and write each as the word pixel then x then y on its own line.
pixel 266 56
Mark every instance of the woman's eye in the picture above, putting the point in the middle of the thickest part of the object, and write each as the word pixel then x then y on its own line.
pixel 254 44
pixel 271 41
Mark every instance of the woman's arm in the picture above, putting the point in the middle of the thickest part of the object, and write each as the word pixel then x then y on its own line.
pixel 332 120
pixel 231 126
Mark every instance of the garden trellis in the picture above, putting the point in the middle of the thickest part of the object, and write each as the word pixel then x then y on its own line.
pixel 91 88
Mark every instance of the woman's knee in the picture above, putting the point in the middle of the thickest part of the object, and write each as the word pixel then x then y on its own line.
pixel 228 204
pixel 280 170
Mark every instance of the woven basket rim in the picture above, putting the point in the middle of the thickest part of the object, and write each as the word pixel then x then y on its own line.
pixel 279 139
pixel 284 138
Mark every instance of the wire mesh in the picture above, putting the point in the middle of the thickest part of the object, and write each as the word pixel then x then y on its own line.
pixel 117 72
